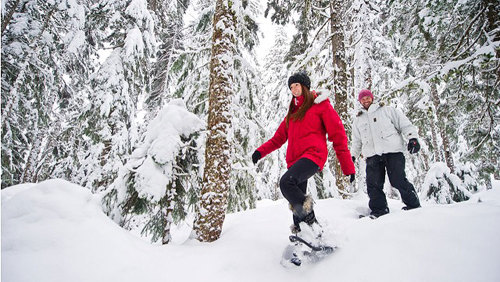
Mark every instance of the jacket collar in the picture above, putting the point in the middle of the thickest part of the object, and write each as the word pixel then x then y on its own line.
pixel 298 101
pixel 373 107
pixel 319 96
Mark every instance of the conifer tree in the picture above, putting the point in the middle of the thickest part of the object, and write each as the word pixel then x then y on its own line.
pixel 244 102
pixel 340 76
pixel 189 77
pixel 271 109
pixel 311 17
pixel 158 185
pixel 169 16
pixel 109 127
pixel 189 73
pixel 451 59
pixel 43 49
pixel 216 178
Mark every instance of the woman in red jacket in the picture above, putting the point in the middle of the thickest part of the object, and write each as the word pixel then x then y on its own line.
pixel 310 118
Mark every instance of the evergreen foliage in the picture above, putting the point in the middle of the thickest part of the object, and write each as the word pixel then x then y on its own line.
pixel 169 21
pixel 83 82
pixel 159 184
pixel 44 65
pixel 189 71
pixel 270 110
pixel 444 187
pixel 451 57
pixel 109 129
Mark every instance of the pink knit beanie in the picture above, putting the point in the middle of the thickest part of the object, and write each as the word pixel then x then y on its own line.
pixel 364 93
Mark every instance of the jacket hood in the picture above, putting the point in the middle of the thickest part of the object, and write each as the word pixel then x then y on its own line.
pixel 374 106
pixel 322 95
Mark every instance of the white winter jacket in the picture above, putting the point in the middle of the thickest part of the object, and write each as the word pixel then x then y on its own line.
pixel 381 129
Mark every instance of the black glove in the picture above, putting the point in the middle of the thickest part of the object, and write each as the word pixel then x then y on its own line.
pixel 256 157
pixel 353 176
pixel 413 146
pixel 353 159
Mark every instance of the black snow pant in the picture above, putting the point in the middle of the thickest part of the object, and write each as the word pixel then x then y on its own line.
pixel 376 167
pixel 293 183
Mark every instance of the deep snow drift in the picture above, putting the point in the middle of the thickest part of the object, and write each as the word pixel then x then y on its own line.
pixel 55 231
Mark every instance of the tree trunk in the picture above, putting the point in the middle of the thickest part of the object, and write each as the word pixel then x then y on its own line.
pixel 437 150
pixel 216 178
pixel 493 18
pixel 442 129
pixel 31 162
pixel 368 78
pixel 169 210
pixel 339 79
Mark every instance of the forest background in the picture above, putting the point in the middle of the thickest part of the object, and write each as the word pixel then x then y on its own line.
pixel 116 96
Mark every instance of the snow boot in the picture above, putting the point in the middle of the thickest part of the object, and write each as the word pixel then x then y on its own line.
pixel 407 208
pixel 305 224
pixel 302 213
pixel 376 214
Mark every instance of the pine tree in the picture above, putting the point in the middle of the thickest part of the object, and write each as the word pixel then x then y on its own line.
pixel 158 185
pixel 109 122
pixel 190 80
pixel 270 112
pixel 340 77
pixel 43 48
pixel 444 187
pixel 216 178
pixel 244 102
pixel 169 16
pixel 189 74
pixel 372 62
pixel 311 20
pixel 450 58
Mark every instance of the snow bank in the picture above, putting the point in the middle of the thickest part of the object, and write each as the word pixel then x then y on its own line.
pixel 55 231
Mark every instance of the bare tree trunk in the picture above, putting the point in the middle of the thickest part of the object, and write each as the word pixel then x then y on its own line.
pixel 216 178
pixel 442 129
pixel 339 78
pixel 368 78
pixel 169 209
pixel 31 162
pixel 437 150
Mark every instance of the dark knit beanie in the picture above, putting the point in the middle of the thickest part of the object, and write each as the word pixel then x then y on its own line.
pixel 300 77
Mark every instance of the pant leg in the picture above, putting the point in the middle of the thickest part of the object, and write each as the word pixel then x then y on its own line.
pixel 303 188
pixel 375 178
pixel 397 177
pixel 293 183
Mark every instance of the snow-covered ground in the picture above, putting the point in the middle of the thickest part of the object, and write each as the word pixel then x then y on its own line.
pixel 55 231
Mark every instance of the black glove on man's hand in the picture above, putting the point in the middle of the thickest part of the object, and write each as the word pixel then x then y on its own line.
pixel 256 157
pixel 353 176
pixel 353 159
pixel 413 146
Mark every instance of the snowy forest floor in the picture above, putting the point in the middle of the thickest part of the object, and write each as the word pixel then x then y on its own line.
pixel 56 231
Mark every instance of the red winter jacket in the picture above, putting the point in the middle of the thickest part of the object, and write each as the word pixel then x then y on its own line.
pixel 307 137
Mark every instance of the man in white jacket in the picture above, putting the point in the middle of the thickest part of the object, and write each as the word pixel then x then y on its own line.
pixel 380 134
